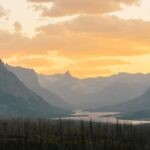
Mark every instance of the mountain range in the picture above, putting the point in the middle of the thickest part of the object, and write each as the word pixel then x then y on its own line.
pixel 16 100
pixel 24 93
pixel 126 93
pixel 92 93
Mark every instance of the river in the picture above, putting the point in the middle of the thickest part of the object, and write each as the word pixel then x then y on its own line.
pixel 105 117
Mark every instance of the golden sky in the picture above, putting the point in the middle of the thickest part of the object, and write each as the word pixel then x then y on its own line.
pixel 87 37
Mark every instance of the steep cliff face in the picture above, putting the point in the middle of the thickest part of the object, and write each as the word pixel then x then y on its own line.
pixel 30 79
pixel 16 100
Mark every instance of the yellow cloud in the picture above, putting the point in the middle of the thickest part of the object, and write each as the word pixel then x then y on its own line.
pixel 70 7
pixel 104 36
pixel 53 62
pixel 87 45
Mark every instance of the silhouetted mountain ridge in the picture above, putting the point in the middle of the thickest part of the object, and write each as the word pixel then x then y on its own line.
pixel 97 92
pixel 30 79
pixel 16 100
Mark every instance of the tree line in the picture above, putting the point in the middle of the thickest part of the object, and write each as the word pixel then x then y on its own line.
pixel 40 134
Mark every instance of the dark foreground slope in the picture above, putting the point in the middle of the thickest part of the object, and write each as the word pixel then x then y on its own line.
pixel 16 100
pixel 30 79
pixel 67 135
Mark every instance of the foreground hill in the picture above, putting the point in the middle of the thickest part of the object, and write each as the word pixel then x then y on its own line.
pixel 16 100
pixel 137 115
pixel 137 108
pixel 30 79
pixel 138 104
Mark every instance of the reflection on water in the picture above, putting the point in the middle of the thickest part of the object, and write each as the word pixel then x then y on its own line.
pixel 106 117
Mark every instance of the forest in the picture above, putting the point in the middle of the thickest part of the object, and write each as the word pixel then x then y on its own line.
pixel 40 134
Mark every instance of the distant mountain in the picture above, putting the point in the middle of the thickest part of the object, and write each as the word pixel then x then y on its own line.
pixel 137 108
pixel 30 79
pixel 117 92
pixel 16 100
pixel 93 93
pixel 140 103
pixel 64 85
pixel 137 115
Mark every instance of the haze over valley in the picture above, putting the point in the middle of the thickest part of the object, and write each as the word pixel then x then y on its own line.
pixel 124 93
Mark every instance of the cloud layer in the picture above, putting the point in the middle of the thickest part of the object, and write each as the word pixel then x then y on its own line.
pixel 106 36
pixel 3 12
pixel 91 43
pixel 70 7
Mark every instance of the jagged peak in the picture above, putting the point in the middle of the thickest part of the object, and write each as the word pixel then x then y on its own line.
pixel 67 73
pixel 2 64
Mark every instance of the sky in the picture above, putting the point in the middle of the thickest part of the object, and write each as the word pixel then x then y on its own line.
pixel 89 38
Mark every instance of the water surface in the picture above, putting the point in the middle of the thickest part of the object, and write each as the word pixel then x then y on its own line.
pixel 105 117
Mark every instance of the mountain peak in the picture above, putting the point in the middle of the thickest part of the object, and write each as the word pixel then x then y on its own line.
pixel 2 64
pixel 67 76
pixel 67 73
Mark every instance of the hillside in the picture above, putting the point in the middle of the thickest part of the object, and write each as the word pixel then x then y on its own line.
pixel 16 100
pixel 137 108
pixel 30 79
